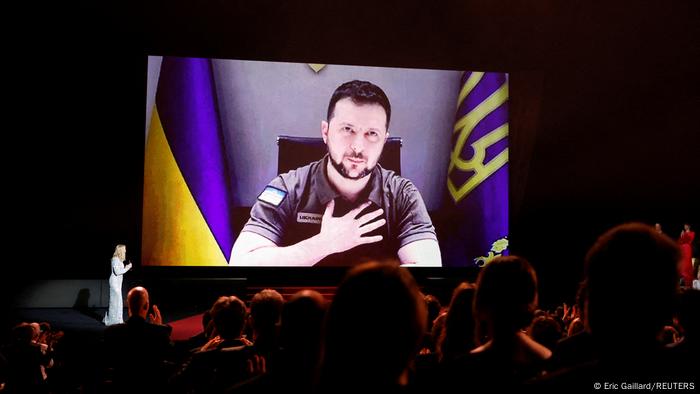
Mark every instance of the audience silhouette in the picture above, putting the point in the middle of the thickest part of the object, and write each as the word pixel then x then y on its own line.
pixel 504 303
pixel 300 348
pixel 137 351
pixel 631 287
pixel 223 361
pixel 373 330
pixel 458 337
pixel 265 314
pixel 631 323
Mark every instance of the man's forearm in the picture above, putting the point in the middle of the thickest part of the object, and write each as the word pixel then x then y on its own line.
pixel 421 253
pixel 304 254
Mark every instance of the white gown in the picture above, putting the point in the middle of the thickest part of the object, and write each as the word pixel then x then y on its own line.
pixel 115 313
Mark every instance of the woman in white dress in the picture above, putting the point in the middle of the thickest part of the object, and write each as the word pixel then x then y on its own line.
pixel 115 314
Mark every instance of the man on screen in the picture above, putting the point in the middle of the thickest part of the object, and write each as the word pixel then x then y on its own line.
pixel 344 207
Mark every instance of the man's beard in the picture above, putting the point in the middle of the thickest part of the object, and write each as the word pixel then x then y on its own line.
pixel 344 172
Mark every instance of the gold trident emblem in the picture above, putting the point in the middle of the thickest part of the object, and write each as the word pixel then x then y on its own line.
pixel 465 126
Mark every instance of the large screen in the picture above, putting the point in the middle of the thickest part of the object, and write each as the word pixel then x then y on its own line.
pixel 253 164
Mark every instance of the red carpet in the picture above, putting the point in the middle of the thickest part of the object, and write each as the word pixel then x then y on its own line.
pixel 185 328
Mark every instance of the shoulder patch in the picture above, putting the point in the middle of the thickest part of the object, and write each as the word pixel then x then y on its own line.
pixel 272 195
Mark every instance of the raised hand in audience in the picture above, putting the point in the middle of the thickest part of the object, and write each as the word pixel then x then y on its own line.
pixel 212 343
pixel 256 365
pixel 155 317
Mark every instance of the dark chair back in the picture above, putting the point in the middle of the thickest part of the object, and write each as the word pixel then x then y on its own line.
pixel 295 152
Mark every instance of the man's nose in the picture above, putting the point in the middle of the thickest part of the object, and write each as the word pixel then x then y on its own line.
pixel 358 143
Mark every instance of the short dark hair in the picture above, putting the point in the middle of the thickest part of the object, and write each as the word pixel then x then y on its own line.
pixel 23 333
pixel 266 309
pixel 506 293
pixel 228 315
pixel 631 270
pixel 360 92
pixel 458 333
pixel 377 303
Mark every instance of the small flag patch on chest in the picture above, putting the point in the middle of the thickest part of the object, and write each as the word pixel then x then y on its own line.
pixel 272 196
pixel 303 217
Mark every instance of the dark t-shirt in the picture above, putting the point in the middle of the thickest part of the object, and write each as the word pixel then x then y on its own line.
pixel 290 209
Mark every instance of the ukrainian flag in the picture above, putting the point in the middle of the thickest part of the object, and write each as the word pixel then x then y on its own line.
pixel 477 177
pixel 187 205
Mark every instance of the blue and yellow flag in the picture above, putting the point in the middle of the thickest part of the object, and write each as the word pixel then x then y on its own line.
pixel 187 205
pixel 476 227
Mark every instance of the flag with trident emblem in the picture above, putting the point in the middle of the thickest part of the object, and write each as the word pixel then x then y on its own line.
pixel 476 223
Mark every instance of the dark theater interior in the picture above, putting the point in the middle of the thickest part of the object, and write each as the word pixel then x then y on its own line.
pixel 602 104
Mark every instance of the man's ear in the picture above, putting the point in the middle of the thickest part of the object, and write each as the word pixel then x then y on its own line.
pixel 324 131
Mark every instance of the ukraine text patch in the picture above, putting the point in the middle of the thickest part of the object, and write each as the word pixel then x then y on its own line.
pixel 303 217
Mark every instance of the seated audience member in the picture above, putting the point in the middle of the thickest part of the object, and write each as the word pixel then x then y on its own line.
pixel 631 277
pixel 373 331
pixel 300 348
pixel 222 362
pixel 265 314
pixel 439 326
pixel 577 347
pixel 39 339
pixel 546 331
pixel 25 361
pixel 137 350
pixel 457 338
pixel 300 339
pixel 434 310
pixel 504 302
pixel 195 342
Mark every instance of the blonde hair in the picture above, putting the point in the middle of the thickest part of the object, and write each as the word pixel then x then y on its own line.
pixel 120 252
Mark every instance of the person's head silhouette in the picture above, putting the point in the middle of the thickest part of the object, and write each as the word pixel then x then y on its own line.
pixel 631 275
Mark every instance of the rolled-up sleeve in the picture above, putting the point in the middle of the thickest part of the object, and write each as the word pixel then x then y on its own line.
pixel 414 222
pixel 266 218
